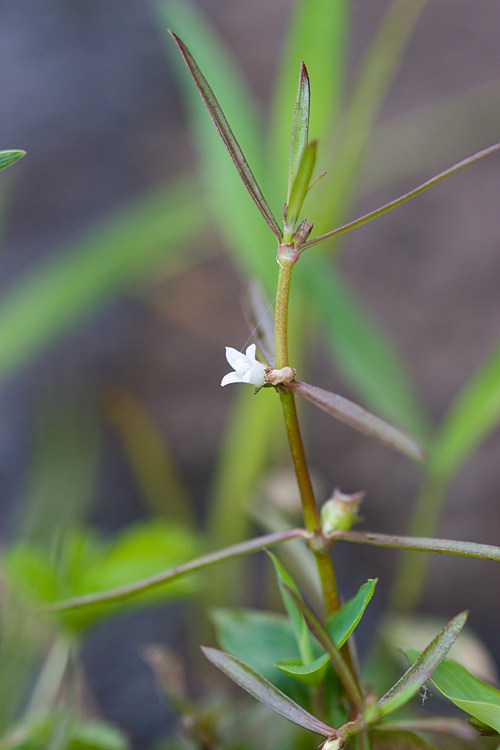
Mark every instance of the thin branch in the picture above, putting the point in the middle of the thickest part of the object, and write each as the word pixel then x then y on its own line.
pixel 402 199
pixel 420 544
pixel 146 584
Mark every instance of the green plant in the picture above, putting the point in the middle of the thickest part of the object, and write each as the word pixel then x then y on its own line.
pixel 303 668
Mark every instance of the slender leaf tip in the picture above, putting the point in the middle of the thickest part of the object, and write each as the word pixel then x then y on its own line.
pixel 227 136
pixel 10 156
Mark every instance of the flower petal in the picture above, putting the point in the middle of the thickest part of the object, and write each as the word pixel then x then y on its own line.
pixel 233 355
pixel 231 377
pixel 250 352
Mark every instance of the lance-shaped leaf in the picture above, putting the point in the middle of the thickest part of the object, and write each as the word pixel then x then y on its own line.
pixel 228 137
pixel 342 624
pixel 297 621
pixel 403 198
pixel 360 419
pixel 421 544
pixel 265 692
pixel 419 672
pixel 10 156
pixel 326 641
pixel 300 128
pixel 480 700
pixel 300 186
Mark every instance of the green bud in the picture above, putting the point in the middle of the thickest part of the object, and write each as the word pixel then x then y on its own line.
pixel 340 512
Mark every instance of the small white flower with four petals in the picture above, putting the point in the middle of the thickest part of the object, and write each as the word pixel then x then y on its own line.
pixel 246 368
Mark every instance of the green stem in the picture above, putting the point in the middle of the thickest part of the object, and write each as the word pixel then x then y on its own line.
pixel 310 508
pixel 287 257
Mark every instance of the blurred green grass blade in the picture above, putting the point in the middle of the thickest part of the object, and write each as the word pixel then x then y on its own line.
pixel 227 135
pixel 377 73
pixel 434 139
pixel 317 35
pixel 300 128
pixel 252 438
pixel 150 459
pixel 474 414
pixel 240 225
pixel 64 463
pixel 118 255
pixel 10 156
pixel 361 351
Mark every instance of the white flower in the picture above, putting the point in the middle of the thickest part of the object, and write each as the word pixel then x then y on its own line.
pixel 246 368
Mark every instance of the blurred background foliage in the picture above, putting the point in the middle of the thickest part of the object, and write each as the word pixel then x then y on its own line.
pixel 126 240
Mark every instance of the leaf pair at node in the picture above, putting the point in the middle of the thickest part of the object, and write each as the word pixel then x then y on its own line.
pixel 301 163
pixel 369 712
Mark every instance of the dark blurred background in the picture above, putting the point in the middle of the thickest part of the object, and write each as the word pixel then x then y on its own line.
pixel 88 91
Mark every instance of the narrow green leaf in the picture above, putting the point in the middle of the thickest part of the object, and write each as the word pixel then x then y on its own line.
pixel 199 563
pixel 296 617
pixel 326 641
pixel 119 254
pixel 467 692
pixel 300 128
pixel 317 34
pixel 245 235
pixel 403 198
pixel 342 624
pixel 419 672
pixel 227 136
pixel 359 419
pixel 424 544
pixel 10 156
pixel 265 692
pixel 300 187
pixel 473 415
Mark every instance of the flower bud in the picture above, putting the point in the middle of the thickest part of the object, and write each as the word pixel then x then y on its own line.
pixel 333 744
pixel 340 512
